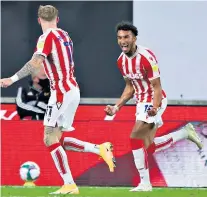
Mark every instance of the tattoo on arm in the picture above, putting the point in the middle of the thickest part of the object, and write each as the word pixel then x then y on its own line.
pixel 31 67
pixel 26 70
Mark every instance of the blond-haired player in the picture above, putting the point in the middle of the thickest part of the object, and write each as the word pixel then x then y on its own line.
pixel 54 50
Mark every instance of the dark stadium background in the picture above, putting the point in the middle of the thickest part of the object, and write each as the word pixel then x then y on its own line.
pixel 91 26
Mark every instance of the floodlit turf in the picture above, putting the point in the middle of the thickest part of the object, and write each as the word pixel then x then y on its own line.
pixel 7 191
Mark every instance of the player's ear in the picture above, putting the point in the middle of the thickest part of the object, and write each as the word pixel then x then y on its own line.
pixel 135 38
pixel 39 22
pixel 58 19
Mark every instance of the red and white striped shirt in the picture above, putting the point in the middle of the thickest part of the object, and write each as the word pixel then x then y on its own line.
pixel 57 48
pixel 140 69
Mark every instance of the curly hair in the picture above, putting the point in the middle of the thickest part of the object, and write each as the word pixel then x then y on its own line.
pixel 126 26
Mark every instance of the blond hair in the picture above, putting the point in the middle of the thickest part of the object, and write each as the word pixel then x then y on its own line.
pixel 47 12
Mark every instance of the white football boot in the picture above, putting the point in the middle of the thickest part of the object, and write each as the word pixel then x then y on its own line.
pixel 193 136
pixel 142 187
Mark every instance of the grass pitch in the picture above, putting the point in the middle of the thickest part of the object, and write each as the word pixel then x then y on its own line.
pixel 18 191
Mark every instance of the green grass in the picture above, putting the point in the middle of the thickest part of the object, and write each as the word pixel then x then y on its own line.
pixel 9 191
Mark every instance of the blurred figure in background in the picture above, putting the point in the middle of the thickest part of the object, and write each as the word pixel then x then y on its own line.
pixel 32 103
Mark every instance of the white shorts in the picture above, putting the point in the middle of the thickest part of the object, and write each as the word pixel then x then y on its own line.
pixel 62 114
pixel 141 113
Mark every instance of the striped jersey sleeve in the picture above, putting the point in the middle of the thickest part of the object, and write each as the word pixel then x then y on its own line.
pixel 44 44
pixel 149 61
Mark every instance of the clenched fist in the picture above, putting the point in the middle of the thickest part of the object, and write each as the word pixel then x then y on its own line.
pixel 152 111
pixel 111 110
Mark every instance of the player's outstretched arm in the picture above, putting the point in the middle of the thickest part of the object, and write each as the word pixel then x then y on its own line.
pixel 126 95
pixel 31 67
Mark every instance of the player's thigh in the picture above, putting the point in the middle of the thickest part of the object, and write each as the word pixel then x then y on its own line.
pixel 157 123
pixel 51 135
pixel 141 129
pixel 67 117
pixel 58 132
pixel 150 138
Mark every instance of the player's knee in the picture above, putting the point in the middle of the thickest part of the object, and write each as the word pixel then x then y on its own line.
pixel 49 137
pixel 47 141
pixel 136 131
pixel 135 135
pixel 141 130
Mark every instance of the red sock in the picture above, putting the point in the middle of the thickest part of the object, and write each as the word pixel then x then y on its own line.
pixel 151 149
pixel 53 146
pixel 62 140
pixel 136 143
pixel 61 162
